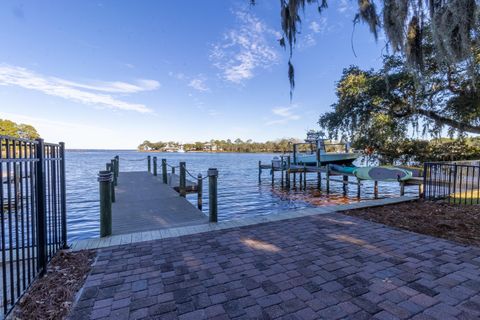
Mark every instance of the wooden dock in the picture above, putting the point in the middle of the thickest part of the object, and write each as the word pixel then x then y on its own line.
pixel 144 203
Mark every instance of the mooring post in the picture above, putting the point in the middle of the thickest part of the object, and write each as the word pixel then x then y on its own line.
pixel 301 179
pixel 328 177
pixel 259 172
pixel 375 189
pixel 183 178
pixel 345 182
pixel 117 164
pixel 402 188
pixel 288 172
pixel 304 177
pixel 173 170
pixel 113 171
pixel 154 166
pixel 281 171
pixel 199 191
pixel 164 171
pixel 149 163
pixel 273 174
pixel 105 181
pixel 109 167
pixel 212 194
pixel 359 188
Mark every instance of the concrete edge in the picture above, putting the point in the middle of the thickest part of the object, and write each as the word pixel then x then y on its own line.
pixel 97 243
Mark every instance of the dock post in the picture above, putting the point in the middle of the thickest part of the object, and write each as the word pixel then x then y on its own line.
pixel 164 170
pixel 259 172
pixel 105 181
pixel 273 174
pixel 301 179
pixel 182 186
pixel 117 164
pixel 402 188
pixel 113 171
pixel 328 177
pixel 319 180
pixel 109 168
pixel 345 182
pixel 375 189
pixel 288 172
pixel 281 171
pixel 199 191
pixel 212 194
pixel 304 177
pixel 173 170
pixel 359 187
pixel 154 166
pixel 149 163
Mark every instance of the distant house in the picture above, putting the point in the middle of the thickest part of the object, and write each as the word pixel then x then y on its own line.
pixel 210 147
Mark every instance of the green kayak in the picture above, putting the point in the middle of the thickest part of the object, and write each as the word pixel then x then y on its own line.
pixel 382 173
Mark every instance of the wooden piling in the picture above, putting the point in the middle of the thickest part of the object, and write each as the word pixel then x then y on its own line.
pixel 288 172
pixel 281 171
pixel 402 188
pixel 359 188
pixel 105 180
pixel 149 163
pixel 199 192
pixel 164 171
pixel 375 189
pixel 155 166
pixel 273 174
pixel 115 178
pixel 183 181
pixel 117 165
pixel 112 189
pixel 328 177
pixel 345 182
pixel 212 194
pixel 304 177
pixel 259 172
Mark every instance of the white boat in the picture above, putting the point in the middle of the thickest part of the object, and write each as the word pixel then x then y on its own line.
pixel 326 158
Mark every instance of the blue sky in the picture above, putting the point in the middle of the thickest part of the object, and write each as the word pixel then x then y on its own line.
pixel 110 74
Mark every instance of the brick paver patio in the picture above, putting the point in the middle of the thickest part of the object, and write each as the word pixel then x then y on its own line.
pixel 319 267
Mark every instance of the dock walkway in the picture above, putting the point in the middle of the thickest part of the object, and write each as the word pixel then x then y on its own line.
pixel 145 203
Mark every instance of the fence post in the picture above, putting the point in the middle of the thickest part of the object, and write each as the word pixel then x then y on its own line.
pixel 41 207
pixel 105 181
pixel 63 195
pixel 424 180
pixel 149 163
pixel 182 185
pixel 212 194
pixel 199 191
pixel 109 167
pixel 114 172
pixel 164 170
pixel 154 166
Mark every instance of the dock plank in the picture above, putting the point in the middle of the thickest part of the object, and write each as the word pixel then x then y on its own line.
pixel 145 203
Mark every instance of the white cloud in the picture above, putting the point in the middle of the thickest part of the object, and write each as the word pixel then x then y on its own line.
pixel 345 6
pixel 245 49
pixel 77 92
pixel 198 84
pixel 283 115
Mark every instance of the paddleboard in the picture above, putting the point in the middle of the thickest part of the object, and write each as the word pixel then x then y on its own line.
pixel 382 173
pixel 343 169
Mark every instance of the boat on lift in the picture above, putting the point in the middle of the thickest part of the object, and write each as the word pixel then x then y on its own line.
pixel 340 154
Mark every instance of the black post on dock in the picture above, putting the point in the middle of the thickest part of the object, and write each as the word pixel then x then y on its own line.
pixel 109 167
pixel 281 171
pixel 328 177
pixel 359 188
pixel 114 172
pixel 212 194
pixel 304 177
pixel 199 192
pixel 117 164
pixel 345 182
pixel 375 189
pixel 259 172
pixel 288 172
pixel 182 184
pixel 149 163
pixel 105 181
pixel 155 166
pixel 164 171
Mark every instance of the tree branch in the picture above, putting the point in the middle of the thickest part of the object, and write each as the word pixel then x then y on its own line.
pixel 447 121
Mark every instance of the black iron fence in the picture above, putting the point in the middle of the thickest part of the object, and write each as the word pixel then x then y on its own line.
pixel 455 182
pixel 33 212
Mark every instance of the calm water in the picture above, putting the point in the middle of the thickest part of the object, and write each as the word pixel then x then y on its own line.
pixel 239 193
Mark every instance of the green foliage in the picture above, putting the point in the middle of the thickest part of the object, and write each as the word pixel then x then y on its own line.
pixel 17 130
pixel 282 145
